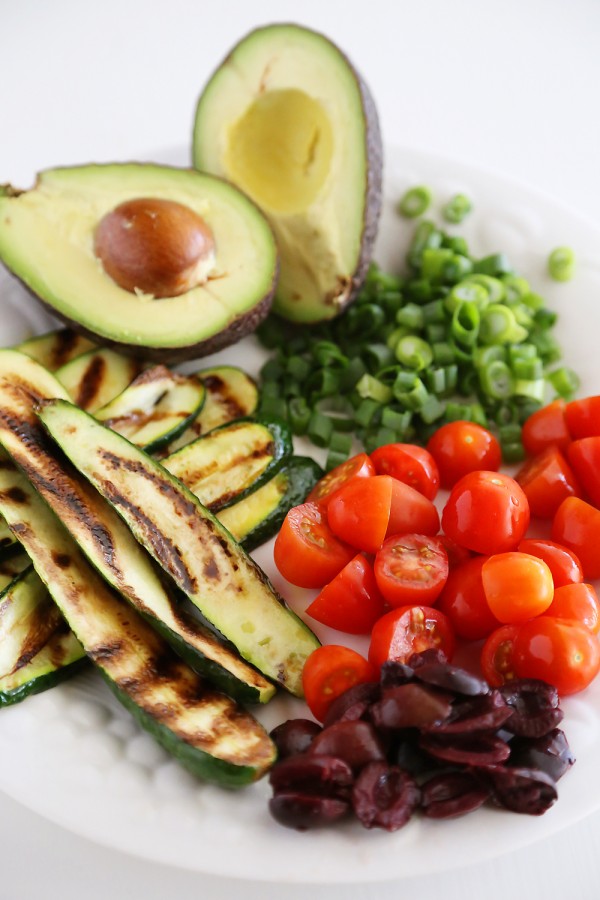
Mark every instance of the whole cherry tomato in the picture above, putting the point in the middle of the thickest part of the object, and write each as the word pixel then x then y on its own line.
pixel 411 464
pixel 359 466
pixel 408 630
pixel 584 456
pixel 576 525
pixel 457 555
pixel 562 562
pixel 547 480
pixel 463 601
pixel 306 551
pixel 411 568
pixel 517 586
pixel 578 602
pixel 583 417
pixel 497 655
pixel 486 512
pixel 546 428
pixel 352 601
pixel 557 651
pixel 328 672
pixel 462 447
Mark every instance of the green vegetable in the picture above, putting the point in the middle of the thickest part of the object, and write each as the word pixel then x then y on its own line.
pixel 415 202
pixel 456 209
pixel 561 264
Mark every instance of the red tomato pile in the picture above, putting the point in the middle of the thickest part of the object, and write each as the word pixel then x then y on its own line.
pixel 368 538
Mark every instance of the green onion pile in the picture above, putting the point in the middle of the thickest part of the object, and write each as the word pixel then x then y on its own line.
pixel 456 338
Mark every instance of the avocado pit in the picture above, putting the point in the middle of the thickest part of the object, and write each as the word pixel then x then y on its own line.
pixel 155 246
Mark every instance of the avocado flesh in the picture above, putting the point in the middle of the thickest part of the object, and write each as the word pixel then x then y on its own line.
pixel 289 121
pixel 47 240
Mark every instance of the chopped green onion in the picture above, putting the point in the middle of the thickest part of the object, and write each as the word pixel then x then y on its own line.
pixel 466 292
pixel 411 316
pixel 465 324
pixel 320 429
pixel 371 388
pixel 496 264
pixel 561 264
pixel 426 235
pixel 415 202
pixel 298 415
pixel 496 380
pixel 414 353
pixel 564 381
pixel 499 326
pixel 456 209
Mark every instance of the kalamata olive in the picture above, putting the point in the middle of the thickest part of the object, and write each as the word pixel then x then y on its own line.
pixel 324 775
pixel 451 678
pixel 384 796
pixel 484 713
pixel 407 754
pixel 356 742
pixel 528 791
pixel 294 736
pixel 394 672
pixel 452 794
pixel 303 811
pixel 550 753
pixel 427 657
pixel 410 706
pixel 535 707
pixel 469 750
pixel 353 703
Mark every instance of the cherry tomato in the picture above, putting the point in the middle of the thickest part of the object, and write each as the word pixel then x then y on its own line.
pixel 408 630
pixel 559 652
pixel 359 466
pixel 517 586
pixel 583 417
pixel 360 511
pixel 584 456
pixel 462 447
pixel 578 602
pixel 456 554
pixel 352 602
pixel 463 601
pixel 411 464
pixel 328 672
pixel 411 568
pixel 577 526
pixel 546 428
pixel 486 512
pixel 497 656
pixel 306 551
pixel 562 562
pixel 411 512
pixel 547 480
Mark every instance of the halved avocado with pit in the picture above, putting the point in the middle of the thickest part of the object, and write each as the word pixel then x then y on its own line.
pixel 288 119
pixel 161 262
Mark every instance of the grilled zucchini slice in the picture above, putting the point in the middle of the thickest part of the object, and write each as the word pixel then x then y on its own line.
pixel 96 377
pixel 56 348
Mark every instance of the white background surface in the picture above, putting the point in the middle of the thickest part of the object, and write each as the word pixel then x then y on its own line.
pixel 510 85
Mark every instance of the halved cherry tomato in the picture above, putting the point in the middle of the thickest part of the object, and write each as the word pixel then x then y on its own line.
pixel 411 464
pixel 328 672
pixel 562 562
pixel 584 456
pixel 577 526
pixel 559 652
pixel 583 417
pixel 306 551
pixel 408 630
pixel 411 512
pixel 462 447
pixel 359 466
pixel 360 511
pixel 457 555
pixel 546 428
pixel 497 656
pixel 463 601
pixel 547 480
pixel 352 602
pixel 486 512
pixel 517 586
pixel 578 602
pixel 411 568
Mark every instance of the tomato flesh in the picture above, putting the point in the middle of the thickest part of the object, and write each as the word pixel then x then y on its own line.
pixel 561 653
pixel 497 656
pixel 306 551
pixel 411 512
pixel 408 630
pixel 352 601
pixel 487 512
pixel 583 417
pixel 517 586
pixel 577 526
pixel 579 603
pixel 411 568
pixel 328 672
pixel 463 601
pixel 547 480
pixel 584 456
pixel 359 466
pixel 462 447
pixel 562 562
pixel 547 427
pixel 410 464
pixel 359 513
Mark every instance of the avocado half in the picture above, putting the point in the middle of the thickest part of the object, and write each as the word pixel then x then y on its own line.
pixel 50 238
pixel 289 120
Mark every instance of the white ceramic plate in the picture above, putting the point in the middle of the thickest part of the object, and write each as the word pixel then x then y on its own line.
pixel 75 756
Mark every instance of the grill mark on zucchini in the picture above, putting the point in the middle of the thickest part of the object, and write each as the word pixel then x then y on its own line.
pixel 229 401
pixel 90 383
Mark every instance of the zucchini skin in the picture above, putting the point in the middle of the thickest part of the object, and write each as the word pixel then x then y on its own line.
pixel 41 683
